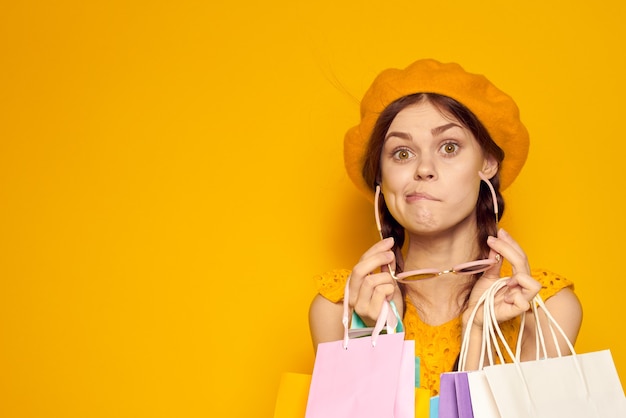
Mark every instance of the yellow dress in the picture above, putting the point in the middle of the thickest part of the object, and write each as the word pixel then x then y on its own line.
pixel 437 347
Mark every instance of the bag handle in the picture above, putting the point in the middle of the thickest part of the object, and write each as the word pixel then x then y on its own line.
pixel 488 332
pixel 492 332
pixel 386 316
pixel 536 304
pixel 493 336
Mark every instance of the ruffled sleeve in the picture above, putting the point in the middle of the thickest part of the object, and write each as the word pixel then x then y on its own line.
pixel 551 283
pixel 331 284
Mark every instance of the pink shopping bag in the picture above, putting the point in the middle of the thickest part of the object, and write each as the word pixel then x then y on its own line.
pixel 371 376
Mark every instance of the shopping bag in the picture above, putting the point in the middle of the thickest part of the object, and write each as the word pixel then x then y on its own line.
pixel 293 390
pixel 454 396
pixel 364 377
pixel 481 399
pixel 404 403
pixel 291 398
pixel 483 403
pixel 360 381
pixel 423 403
pixel 574 386
pixel 434 407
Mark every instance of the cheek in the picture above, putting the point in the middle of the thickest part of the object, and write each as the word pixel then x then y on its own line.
pixel 466 195
pixel 396 175
pixel 391 188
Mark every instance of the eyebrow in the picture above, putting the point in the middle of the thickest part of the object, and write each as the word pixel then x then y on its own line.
pixel 401 135
pixel 435 131
pixel 441 129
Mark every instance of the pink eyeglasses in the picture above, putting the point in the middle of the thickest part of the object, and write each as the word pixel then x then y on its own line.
pixel 471 267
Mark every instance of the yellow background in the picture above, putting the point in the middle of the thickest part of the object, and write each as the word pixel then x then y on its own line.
pixel 171 180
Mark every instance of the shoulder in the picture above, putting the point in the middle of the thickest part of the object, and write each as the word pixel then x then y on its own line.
pixel 326 308
pixel 331 284
pixel 564 307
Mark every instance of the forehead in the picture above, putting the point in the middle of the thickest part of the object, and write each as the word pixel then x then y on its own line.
pixel 423 114
pixel 425 120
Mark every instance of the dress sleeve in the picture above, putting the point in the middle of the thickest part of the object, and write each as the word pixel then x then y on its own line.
pixel 331 284
pixel 551 282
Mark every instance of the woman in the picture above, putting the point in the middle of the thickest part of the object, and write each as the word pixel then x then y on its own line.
pixel 432 141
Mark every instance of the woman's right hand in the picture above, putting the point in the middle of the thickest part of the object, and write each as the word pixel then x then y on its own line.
pixel 371 284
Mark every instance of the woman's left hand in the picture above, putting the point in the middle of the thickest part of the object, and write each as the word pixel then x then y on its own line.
pixel 513 299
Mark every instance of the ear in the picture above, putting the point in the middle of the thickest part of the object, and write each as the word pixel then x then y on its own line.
pixel 490 166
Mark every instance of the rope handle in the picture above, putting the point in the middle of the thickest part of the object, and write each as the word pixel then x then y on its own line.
pixel 492 332
pixel 537 303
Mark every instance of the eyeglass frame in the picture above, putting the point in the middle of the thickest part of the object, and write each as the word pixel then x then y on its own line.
pixel 422 274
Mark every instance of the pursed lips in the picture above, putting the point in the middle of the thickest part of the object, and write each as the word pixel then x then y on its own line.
pixel 414 197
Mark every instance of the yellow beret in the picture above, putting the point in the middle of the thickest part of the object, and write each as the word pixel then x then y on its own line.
pixel 495 109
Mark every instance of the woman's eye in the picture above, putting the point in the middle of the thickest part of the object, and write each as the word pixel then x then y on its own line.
pixel 402 154
pixel 450 148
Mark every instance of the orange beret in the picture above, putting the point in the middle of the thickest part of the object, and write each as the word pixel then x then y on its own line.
pixel 495 109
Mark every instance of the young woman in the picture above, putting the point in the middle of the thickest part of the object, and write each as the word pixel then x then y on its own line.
pixel 436 144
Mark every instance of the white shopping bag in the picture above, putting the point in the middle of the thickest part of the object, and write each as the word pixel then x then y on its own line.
pixel 574 386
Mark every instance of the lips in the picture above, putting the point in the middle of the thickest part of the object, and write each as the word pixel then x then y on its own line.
pixel 413 197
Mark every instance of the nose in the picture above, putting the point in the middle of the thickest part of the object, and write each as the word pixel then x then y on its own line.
pixel 425 169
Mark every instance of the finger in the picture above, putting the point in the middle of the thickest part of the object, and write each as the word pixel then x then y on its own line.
pixel 376 283
pixel 376 288
pixel 511 251
pixel 526 283
pixel 362 281
pixel 382 245
pixel 372 263
pixel 518 300
pixel 494 271
pixel 376 256
pixel 506 237
pixel 386 268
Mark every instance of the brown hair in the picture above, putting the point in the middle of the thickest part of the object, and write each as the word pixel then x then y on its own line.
pixel 371 167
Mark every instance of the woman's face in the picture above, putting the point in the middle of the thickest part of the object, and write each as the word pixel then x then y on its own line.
pixel 429 166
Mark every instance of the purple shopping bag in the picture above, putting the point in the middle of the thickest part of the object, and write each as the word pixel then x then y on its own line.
pixel 454 396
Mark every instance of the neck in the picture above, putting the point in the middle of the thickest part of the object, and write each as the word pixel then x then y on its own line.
pixel 440 299
pixel 441 251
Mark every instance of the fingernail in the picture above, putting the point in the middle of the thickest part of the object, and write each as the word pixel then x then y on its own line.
pixel 491 238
